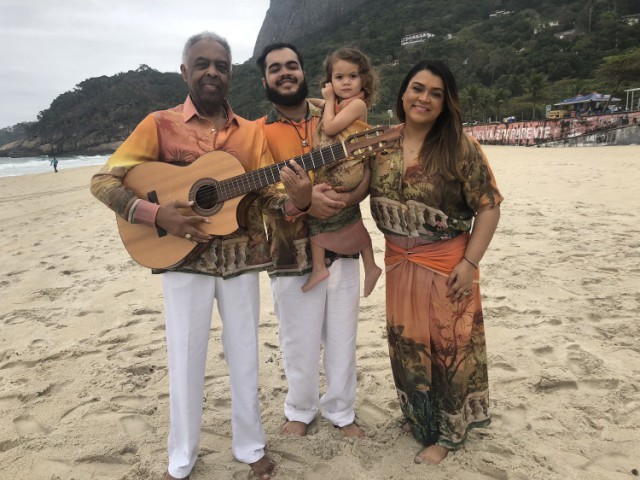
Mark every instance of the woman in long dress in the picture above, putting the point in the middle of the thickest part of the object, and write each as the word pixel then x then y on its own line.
pixel 435 199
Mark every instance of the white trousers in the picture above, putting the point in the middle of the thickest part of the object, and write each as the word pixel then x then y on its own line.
pixel 326 315
pixel 189 302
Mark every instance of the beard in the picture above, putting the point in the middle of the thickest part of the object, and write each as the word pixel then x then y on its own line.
pixel 289 100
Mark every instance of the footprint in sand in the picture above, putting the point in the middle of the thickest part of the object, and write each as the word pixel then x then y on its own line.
pixel 319 471
pixel 504 366
pixel 582 363
pixel 28 427
pixel 109 467
pixel 512 418
pixel 19 364
pixel 38 344
pixel 543 351
pixel 135 425
pixel 372 411
pixel 10 401
pixel 493 472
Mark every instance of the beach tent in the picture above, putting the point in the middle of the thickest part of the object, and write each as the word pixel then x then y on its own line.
pixel 591 99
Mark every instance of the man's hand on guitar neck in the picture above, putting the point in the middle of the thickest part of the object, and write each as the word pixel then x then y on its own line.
pixel 297 184
pixel 171 219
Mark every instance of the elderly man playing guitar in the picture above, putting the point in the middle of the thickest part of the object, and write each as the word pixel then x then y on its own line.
pixel 223 268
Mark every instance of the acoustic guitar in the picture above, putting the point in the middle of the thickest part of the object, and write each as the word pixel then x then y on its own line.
pixel 216 183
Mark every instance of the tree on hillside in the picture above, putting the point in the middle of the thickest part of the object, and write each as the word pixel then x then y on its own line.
pixel 621 68
pixel 534 85
pixel 498 96
pixel 469 97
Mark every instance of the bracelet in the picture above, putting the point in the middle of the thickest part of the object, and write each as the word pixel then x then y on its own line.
pixel 305 209
pixel 475 265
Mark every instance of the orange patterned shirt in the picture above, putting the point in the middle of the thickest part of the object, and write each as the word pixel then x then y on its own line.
pixel 180 136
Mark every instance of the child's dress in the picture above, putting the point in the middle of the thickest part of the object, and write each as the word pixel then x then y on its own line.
pixel 343 233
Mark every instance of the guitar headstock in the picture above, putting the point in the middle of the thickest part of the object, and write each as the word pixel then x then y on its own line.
pixel 371 141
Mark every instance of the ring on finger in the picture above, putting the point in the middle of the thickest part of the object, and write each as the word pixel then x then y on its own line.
pixel 465 292
pixel 187 236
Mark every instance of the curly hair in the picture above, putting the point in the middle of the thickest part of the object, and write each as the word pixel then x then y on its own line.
pixel 355 56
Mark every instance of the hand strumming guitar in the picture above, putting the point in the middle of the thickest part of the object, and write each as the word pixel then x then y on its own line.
pixel 171 219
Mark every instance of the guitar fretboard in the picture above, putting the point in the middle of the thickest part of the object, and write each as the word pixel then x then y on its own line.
pixel 248 182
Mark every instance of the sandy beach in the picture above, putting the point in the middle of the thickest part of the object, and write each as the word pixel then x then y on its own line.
pixel 83 377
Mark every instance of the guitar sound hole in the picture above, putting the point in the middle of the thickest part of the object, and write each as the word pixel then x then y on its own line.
pixel 205 197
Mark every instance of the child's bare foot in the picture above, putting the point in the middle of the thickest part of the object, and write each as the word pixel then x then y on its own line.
pixel 299 429
pixel 432 455
pixel 315 277
pixel 371 276
pixel 352 431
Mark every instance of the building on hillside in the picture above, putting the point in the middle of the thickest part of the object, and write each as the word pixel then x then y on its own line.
pixel 544 26
pixel 500 13
pixel 631 19
pixel 566 35
pixel 415 38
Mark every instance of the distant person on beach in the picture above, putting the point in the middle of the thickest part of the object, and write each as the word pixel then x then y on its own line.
pixel 348 89
pixel 180 135
pixel 54 164
pixel 435 200
pixel 321 323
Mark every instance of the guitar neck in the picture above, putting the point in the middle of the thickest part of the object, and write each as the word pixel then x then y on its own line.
pixel 257 179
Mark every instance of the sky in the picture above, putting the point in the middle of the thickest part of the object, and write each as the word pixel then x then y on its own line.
pixel 48 47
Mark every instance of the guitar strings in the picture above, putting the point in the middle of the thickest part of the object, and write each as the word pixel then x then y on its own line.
pixel 265 176
pixel 250 181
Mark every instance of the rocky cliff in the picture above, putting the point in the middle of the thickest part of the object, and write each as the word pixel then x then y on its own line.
pixel 288 20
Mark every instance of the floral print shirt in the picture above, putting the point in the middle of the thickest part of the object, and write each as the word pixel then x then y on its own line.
pixel 429 207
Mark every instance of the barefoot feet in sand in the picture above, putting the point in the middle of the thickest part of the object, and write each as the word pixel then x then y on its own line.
pixel 353 430
pixel 265 468
pixel 298 429
pixel 432 455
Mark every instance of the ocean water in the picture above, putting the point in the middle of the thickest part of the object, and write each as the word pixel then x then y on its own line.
pixel 12 167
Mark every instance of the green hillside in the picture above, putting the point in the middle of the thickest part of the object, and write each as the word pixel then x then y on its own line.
pixel 508 64
pixel 510 57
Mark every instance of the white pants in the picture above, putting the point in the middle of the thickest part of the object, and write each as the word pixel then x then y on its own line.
pixel 326 315
pixel 189 302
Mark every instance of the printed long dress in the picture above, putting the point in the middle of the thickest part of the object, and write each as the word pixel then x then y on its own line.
pixel 437 347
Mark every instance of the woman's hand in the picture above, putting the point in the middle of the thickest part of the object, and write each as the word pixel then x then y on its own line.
pixel 460 281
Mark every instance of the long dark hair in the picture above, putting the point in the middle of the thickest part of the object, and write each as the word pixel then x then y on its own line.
pixel 446 144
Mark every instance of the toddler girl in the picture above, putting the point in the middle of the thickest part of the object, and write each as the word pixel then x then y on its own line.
pixel 348 90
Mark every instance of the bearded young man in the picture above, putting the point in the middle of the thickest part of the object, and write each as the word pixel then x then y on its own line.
pixel 325 318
